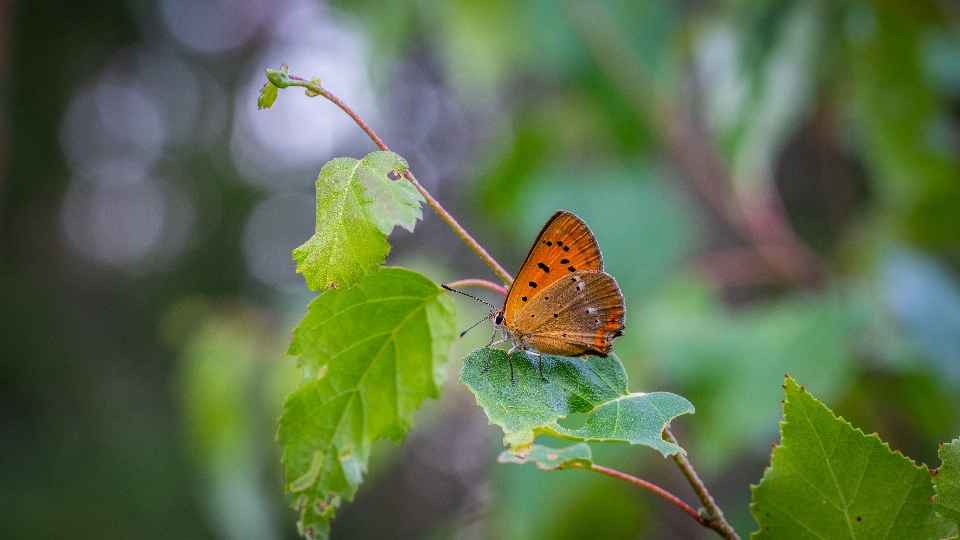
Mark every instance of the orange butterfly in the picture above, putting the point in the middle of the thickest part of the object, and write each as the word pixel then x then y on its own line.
pixel 561 302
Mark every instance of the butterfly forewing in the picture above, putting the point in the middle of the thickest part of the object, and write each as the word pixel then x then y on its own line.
pixel 578 315
pixel 564 246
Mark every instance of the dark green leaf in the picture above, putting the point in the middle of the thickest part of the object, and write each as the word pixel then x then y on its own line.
pixel 829 480
pixel 357 207
pixel 947 483
pixel 551 459
pixel 370 355
pixel 596 386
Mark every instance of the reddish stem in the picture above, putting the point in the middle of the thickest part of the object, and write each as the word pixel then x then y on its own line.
pixel 461 232
pixel 478 283
pixel 645 485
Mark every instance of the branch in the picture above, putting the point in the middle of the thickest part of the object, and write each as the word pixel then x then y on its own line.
pixel 313 88
pixel 645 485
pixel 715 519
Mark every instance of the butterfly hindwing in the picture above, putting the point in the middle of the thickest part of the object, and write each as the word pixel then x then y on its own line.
pixel 581 314
pixel 564 246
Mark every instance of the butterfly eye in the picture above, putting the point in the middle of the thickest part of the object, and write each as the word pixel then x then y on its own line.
pixel 498 318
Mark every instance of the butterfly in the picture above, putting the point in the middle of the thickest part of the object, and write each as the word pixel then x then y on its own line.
pixel 561 302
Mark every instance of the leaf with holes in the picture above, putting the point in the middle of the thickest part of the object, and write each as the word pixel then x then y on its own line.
pixel 829 480
pixel 551 459
pixel 596 386
pixel 358 205
pixel 946 482
pixel 370 355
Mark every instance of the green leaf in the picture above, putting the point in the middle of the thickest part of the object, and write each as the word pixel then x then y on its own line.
pixel 551 459
pixel 596 386
pixel 358 205
pixel 946 482
pixel 829 480
pixel 370 355
pixel 268 95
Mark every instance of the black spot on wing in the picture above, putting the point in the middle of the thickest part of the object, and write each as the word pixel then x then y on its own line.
pixel 543 267
pixel 533 284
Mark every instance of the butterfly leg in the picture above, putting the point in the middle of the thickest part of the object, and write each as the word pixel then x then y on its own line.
pixel 490 345
pixel 510 360
pixel 539 362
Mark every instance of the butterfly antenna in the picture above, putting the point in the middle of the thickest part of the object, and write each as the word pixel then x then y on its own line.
pixel 471 296
pixel 474 326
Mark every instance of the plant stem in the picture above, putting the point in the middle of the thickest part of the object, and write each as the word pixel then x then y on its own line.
pixel 715 520
pixel 478 283
pixel 645 485
pixel 461 232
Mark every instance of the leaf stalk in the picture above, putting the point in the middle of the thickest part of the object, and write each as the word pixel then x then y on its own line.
pixel 442 212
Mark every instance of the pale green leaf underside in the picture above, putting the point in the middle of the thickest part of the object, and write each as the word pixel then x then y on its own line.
pixel 947 483
pixel 370 355
pixel 551 459
pixel 358 205
pixel 596 386
pixel 828 480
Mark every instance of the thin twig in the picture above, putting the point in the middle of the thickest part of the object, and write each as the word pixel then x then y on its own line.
pixel 715 520
pixel 645 485
pixel 478 283
pixel 461 232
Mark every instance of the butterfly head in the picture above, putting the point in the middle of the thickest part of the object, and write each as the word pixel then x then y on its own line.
pixel 497 317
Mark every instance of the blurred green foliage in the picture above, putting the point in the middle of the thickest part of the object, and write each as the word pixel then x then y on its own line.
pixel 842 118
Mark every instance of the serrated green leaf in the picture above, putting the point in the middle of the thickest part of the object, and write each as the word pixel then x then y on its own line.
pixel 829 480
pixel 946 483
pixel 551 459
pixel 370 355
pixel 268 95
pixel 596 386
pixel 358 205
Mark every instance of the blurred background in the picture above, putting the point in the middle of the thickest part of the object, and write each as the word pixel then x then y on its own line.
pixel 775 185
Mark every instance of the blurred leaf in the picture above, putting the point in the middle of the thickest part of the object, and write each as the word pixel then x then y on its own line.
pixel 688 333
pixel 762 81
pixel 946 483
pixel 550 459
pixel 231 379
pixel 829 480
pixel 358 205
pixel 925 298
pixel 897 114
pixel 369 356
pixel 597 386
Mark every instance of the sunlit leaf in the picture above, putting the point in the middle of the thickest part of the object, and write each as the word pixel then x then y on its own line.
pixel 596 386
pixel 829 480
pixel 946 483
pixel 370 355
pixel 358 205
